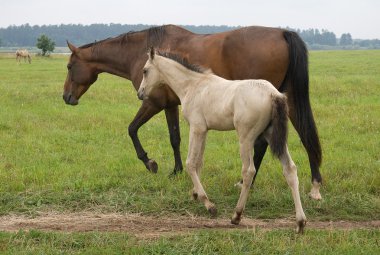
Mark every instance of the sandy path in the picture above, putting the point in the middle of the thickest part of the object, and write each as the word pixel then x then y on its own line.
pixel 155 226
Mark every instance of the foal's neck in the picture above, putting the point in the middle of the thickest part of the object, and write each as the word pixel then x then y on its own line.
pixel 178 77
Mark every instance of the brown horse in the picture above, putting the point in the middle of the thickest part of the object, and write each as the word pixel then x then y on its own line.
pixel 23 54
pixel 273 54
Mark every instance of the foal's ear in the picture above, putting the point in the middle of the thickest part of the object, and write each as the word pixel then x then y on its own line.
pixel 151 53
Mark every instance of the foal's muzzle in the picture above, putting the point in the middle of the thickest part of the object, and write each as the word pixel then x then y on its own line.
pixel 70 99
pixel 140 94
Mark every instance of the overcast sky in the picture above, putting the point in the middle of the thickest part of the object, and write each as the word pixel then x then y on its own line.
pixel 360 18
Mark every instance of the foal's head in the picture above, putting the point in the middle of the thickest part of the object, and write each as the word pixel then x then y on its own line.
pixel 81 75
pixel 151 76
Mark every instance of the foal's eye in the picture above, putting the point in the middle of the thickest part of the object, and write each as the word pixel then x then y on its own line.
pixel 145 71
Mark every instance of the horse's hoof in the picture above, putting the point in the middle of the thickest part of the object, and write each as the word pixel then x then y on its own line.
pixel 213 211
pixel 152 166
pixel 314 193
pixel 239 184
pixel 301 226
pixel 236 219
pixel 175 172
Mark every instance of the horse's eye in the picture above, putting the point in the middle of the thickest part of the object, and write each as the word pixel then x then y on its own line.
pixel 145 71
pixel 69 66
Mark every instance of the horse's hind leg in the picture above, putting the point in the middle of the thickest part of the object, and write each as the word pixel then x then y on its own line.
pixel 248 171
pixel 197 139
pixel 312 152
pixel 290 173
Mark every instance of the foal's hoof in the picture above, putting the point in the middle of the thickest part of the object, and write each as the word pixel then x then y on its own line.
pixel 195 195
pixel 152 166
pixel 213 211
pixel 300 226
pixel 236 219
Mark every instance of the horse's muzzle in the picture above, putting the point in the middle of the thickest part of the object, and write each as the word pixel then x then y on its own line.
pixel 70 99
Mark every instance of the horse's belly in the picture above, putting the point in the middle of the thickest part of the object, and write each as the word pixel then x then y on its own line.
pixel 220 121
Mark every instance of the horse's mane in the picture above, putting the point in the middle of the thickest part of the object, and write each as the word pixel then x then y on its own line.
pixel 184 62
pixel 155 36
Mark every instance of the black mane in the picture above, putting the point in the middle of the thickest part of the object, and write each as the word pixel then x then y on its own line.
pixel 183 61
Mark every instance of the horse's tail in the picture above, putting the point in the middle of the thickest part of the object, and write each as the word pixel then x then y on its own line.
pixel 29 58
pixel 279 124
pixel 296 84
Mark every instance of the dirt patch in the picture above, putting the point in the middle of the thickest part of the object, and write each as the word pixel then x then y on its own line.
pixel 155 226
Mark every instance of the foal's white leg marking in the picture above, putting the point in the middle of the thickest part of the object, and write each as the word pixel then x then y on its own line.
pixel 290 173
pixel 314 193
pixel 248 171
pixel 194 161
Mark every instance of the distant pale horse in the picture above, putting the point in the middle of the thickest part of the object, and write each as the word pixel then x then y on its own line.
pixel 23 54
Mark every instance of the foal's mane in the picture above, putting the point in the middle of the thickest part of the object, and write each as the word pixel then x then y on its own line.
pixel 184 62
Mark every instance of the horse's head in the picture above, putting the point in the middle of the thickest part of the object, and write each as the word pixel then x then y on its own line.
pixel 151 76
pixel 81 75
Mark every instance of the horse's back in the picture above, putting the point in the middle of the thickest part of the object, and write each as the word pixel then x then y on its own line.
pixel 256 53
pixel 247 53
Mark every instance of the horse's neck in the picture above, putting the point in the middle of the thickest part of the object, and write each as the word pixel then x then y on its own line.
pixel 114 58
pixel 178 78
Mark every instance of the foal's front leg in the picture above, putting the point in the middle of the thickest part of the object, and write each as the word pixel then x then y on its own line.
pixel 194 162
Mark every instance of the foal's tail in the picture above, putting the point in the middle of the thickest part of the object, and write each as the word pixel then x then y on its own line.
pixel 279 124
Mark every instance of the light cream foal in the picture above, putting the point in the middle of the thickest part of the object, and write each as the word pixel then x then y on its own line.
pixel 252 107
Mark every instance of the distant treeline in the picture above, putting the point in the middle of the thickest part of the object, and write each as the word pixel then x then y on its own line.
pixel 26 35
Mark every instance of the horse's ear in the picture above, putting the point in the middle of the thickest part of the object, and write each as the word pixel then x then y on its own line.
pixel 72 47
pixel 151 53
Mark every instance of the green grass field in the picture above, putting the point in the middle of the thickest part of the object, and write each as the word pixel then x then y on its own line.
pixel 55 157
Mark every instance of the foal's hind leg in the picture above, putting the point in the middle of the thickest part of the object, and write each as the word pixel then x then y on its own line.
pixel 290 173
pixel 247 172
pixel 197 139
pixel 259 150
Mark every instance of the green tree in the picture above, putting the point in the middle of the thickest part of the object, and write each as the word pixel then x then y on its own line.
pixel 45 44
pixel 346 39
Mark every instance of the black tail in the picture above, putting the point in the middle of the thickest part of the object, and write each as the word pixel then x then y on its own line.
pixel 296 83
pixel 279 124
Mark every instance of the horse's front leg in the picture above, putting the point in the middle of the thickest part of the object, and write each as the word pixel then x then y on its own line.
pixel 247 172
pixel 146 111
pixel 194 162
pixel 172 119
